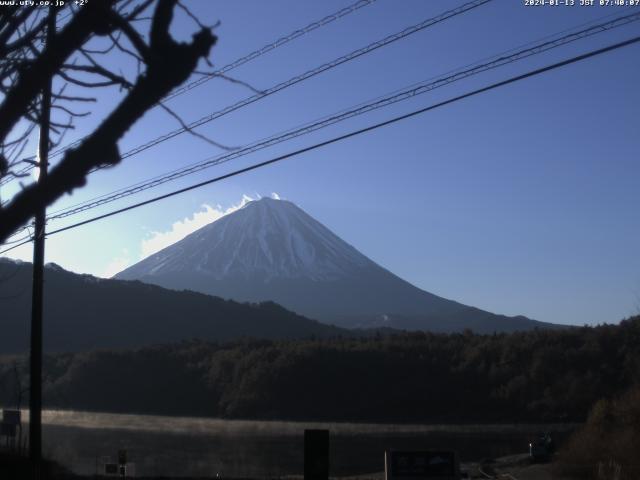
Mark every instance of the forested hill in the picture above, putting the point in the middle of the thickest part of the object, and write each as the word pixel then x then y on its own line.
pixel 538 376
pixel 82 312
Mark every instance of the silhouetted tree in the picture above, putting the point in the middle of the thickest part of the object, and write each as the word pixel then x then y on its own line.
pixel 537 376
pixel 136 29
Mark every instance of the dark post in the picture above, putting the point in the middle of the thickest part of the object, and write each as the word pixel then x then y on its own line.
pixel 316 454
pixel 35 377
pixel 122 463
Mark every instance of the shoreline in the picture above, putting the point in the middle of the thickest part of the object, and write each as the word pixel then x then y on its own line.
pixel 205 425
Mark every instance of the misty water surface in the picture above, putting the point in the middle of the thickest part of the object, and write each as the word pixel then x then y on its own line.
pixel 182 446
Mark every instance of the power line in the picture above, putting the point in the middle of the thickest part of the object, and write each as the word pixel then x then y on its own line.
pixel 414 90
pixel 16 246
pixel 309 74
pixel 235 64
pixel 21 239
pixel 478 64
pixel 272 46
pixel 354 133
pixel 304 76
pixel 255 54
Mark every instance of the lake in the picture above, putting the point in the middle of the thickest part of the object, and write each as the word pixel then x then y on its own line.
pixel 184 446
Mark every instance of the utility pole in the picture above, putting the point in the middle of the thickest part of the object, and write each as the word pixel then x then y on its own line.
pixel 35 377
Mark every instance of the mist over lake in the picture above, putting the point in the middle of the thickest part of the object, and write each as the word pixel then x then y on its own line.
pixel 185 446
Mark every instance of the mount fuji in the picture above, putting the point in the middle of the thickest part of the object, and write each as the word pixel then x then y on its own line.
pixel 272 250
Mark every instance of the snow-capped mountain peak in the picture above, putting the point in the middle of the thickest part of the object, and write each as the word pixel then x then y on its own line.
pixel 265 239
pixel 272 250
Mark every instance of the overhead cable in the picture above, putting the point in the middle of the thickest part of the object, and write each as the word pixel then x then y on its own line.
pixel 398 96
pixel 354 133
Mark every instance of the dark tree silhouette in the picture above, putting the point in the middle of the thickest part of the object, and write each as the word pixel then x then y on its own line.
pixel 540 376
pixel 136 29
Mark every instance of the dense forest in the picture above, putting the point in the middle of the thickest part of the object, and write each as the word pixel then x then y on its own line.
pixel 83 312
pixel 536 376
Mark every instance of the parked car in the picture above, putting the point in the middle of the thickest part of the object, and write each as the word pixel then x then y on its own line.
pixel 541 448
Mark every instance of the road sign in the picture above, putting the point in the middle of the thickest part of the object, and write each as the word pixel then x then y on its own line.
pixel 422 465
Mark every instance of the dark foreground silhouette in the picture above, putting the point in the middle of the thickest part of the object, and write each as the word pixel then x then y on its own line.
pixel 538 376
pixel 82 312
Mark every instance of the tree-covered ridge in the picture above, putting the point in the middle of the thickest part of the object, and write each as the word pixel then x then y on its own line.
pixel 532 376
pixel 83 313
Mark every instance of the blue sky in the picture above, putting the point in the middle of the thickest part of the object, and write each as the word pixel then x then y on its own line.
pixel 523 200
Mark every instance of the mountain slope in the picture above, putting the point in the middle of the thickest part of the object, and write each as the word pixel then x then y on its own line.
pixel 272 250
pixel 83 312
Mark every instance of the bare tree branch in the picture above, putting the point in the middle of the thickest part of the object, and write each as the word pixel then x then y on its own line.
pixel 134 37
pixel 168 64
pixel 114 79
pixel 191 131
pixel 88 20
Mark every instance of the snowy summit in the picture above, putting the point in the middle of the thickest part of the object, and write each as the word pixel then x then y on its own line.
pixel 270 249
